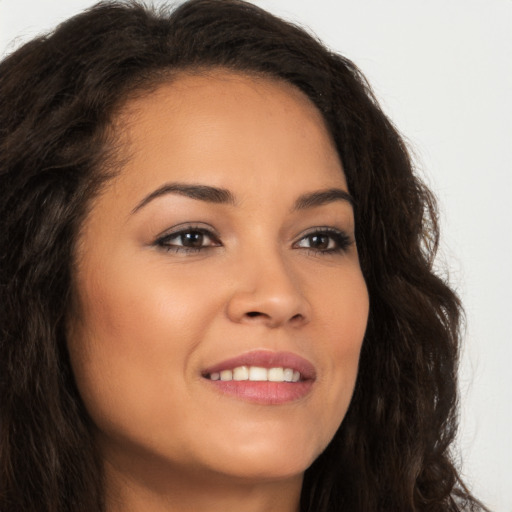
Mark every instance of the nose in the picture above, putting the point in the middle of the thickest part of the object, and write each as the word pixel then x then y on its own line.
pixel 268 292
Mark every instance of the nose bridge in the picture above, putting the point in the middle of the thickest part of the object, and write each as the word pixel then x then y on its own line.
pixel 267 289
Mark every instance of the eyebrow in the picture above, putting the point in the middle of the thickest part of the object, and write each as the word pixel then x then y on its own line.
pixel 200 192
pixel 217 195
pixel 322 197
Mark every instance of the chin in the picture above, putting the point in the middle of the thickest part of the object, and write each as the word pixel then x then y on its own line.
pixel 279 468
pixel 268 459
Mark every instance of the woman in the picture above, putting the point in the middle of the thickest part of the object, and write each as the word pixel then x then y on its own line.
pixel 217 276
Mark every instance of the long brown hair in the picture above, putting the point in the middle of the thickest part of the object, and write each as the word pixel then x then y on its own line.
pixel 59 94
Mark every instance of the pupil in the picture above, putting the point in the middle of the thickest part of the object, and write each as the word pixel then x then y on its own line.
pixel 319 241
pixel 193 239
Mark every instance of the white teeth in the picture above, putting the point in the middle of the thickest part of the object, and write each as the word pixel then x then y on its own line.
pixel 241 373
pixel 276 375
pixel 288 375
pixel 226 375
pixel 257 374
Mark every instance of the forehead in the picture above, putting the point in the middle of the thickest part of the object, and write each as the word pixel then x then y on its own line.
pixel 210 91
pixel 218 126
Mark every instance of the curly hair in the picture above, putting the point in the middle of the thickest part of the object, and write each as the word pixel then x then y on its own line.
pixel 60 94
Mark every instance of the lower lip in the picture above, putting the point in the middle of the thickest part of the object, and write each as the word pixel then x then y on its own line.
pixel 263 392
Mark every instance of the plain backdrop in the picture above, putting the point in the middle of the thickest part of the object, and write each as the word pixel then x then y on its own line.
pixel 442 70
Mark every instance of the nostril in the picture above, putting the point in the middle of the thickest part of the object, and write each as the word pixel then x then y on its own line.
pixel 253 314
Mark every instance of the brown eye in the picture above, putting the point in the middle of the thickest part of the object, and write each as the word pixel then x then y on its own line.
pixel 188 240
pixel 320 242
pixel 325 240
pixel 192 239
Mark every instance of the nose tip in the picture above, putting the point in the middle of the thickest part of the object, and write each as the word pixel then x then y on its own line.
pixel 272 316
pixel 271 298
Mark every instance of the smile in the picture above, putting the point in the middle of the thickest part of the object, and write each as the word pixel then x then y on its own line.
pixel 263 377
pixel 257 374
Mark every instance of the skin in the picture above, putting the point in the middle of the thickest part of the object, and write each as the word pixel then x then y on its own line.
pixel 148 318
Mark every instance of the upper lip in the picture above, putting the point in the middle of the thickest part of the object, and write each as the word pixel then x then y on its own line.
pixel 266 359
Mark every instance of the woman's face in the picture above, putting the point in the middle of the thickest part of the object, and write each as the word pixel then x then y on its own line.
pixel 223 250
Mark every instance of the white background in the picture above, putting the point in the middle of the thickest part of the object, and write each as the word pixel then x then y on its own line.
pixel 443 72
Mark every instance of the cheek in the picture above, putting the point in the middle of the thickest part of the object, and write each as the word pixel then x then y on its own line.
pixel 341 304
pixel 143 311
pixel 344 316
pixel 133 338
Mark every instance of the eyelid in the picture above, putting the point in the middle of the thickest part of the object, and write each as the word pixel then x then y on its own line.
pixel 342 238
pixel 188 227
pixel 323 229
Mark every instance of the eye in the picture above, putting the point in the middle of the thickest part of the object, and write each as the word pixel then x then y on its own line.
pixel 324 240
pixel 188 239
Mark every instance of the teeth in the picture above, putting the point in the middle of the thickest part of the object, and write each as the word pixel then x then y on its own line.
pixel 276 375
pixel 241 373
pixel 257 374
pixel 226 375
pixel 288 375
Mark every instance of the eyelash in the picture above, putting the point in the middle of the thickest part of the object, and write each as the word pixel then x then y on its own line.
pixel 339 239
pixel 165 240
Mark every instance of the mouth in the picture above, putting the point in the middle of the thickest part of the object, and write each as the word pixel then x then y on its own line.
pixel 263 377
pixel 257 374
